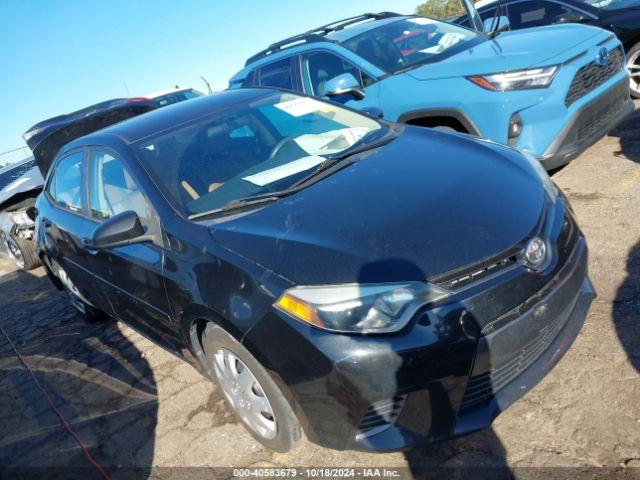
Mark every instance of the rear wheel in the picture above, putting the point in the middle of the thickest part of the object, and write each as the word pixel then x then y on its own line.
pixel 250 391
pixel 22 252
pixel 633 65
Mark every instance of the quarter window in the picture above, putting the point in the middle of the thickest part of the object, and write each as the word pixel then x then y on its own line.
pixel 65 186
pixel 113 190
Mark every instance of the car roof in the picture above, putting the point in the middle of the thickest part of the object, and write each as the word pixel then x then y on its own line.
pixel 359 28
pixel 134 129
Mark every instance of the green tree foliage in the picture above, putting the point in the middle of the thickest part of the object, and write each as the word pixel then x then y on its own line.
pixel 440 9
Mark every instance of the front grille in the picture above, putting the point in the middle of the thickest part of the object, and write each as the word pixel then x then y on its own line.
pixel 381 415
pixel 592 75
pixel 462 278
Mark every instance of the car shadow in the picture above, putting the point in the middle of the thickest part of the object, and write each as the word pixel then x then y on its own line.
pixel 93 376
pixel 626 308
pixel 629 136
pixel 480 455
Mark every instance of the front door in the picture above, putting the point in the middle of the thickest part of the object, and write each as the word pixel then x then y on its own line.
pixel 134 273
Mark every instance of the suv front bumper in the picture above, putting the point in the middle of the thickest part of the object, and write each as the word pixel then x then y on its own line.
pixel 589 124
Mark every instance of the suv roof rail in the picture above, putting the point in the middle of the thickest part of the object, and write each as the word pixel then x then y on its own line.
pixel 317 34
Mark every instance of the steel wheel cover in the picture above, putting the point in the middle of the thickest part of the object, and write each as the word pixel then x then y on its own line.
pixel 245 394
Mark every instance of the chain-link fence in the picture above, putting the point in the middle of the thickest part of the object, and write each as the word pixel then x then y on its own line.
pixel 14 155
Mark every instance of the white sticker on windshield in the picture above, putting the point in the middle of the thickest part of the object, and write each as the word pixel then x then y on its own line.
pixel 283 171
pixel 300 106
pixel 421 21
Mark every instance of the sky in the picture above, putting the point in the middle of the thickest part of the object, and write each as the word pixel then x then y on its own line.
pixel 59 56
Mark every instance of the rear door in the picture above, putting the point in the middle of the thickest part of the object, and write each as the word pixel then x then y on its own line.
pixel 134 273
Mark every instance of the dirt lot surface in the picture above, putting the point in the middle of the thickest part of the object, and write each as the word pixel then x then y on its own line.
pixel 131 404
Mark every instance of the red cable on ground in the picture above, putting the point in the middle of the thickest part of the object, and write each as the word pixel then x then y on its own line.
pixel 64 421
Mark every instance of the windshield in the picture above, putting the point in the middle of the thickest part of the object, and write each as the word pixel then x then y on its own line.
pixel 410 42
pixel 612 4
pixel 254 149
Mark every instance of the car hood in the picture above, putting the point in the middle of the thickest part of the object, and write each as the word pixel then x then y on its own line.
pixel 31 180
pixel 425 204
pixel 516 50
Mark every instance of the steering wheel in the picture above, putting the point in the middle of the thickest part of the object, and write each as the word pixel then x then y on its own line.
pixel 278 146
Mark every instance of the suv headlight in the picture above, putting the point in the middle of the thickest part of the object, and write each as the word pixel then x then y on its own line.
pixel 518 80
pixel 550 188
pixel 21 219
pixel 359 308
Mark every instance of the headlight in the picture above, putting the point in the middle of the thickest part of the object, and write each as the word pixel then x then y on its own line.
pixel 519 80
pixel 548 185
pixel 355 308
pixel 21 219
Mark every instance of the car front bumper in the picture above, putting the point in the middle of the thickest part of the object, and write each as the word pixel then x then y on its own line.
pixel 385 393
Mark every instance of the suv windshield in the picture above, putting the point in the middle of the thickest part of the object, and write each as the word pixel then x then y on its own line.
pixel 251 149
pixel 410 42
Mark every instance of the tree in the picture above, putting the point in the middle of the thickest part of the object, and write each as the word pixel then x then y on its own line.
pixel 440 9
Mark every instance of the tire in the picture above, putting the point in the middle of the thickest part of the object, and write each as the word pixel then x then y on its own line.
pixel 261 397
pixel 22 252
pixel 633 66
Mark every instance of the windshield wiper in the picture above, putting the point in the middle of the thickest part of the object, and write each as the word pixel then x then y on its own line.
pixel 241 203
pixel 495 23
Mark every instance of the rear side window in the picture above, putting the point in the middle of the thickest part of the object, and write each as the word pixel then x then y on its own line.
pixel 320 67
pixel 276 75
pixel 112 189
pixel 65 186
pixel 176 97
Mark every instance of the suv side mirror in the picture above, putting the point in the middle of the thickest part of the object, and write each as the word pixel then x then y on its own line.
pixel 503 26
pixel 343 84
pixel 119 230
pixel 570 17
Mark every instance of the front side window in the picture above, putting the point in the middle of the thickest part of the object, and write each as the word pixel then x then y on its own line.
pixel 254 149
pixel 320 67
pixel 65 186
pixel 112 189
pixel 411 42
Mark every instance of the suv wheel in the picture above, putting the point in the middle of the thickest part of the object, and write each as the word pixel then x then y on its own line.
pixel 22 252
pixel 250 391
pixel 633 65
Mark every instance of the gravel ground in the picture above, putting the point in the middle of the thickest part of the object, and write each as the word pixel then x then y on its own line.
pixel 133 405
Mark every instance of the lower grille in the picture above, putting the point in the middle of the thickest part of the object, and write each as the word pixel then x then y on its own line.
pixel 483 387
pixel 381 415
pixel 592 75
pixel 596 120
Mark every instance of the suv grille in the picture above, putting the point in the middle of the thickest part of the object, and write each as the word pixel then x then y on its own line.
pixel 592 75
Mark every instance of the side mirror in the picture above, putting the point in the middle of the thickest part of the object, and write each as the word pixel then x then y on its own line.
pixel 343 84
pixel 503 26
pixel 569 17
pixel 119 230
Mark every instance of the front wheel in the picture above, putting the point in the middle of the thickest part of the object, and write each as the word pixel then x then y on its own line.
pixel 633 66
pixel 250 391
pixel 22 252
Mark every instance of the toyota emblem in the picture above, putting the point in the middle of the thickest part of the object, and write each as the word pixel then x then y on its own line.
pixel 535 252
pixel 603 56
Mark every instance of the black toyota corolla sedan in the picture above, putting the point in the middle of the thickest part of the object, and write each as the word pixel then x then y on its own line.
pixel 373 285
